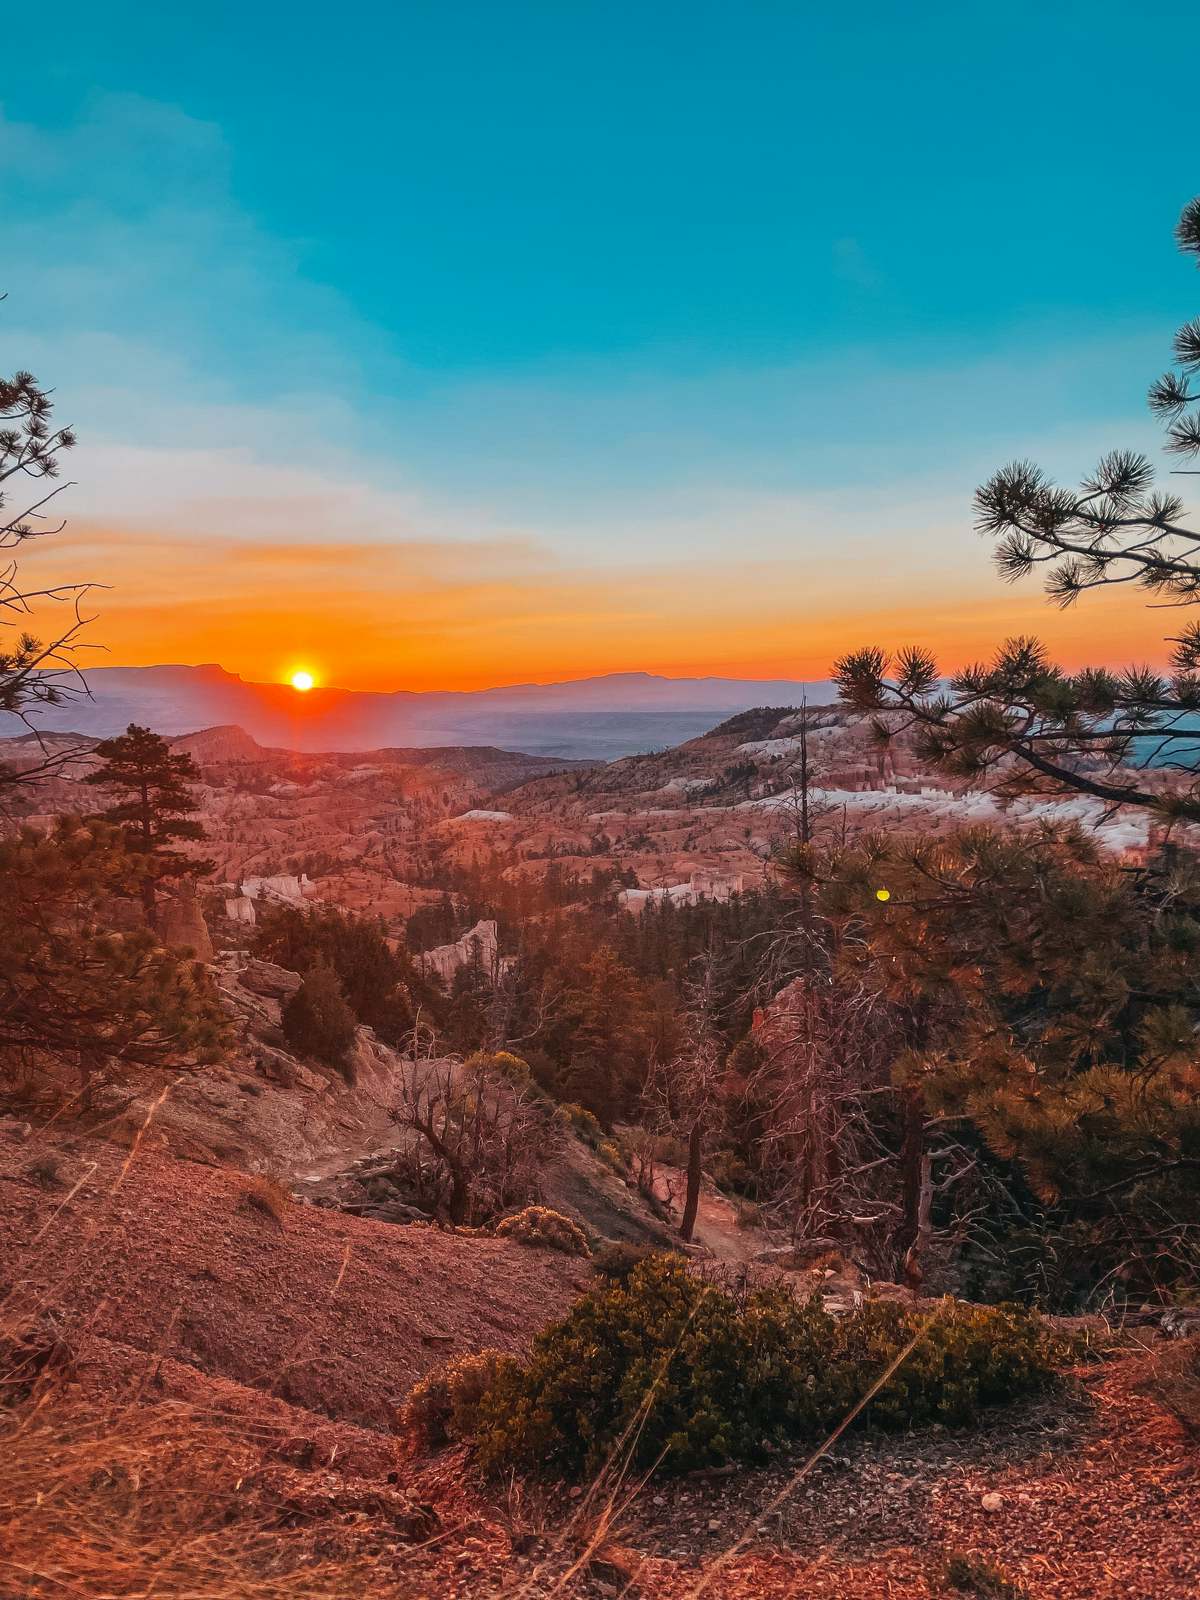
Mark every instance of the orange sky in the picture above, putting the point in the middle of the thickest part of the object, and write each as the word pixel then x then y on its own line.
pixel 463 616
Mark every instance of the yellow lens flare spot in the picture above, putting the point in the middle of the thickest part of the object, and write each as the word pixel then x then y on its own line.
pixel 303 681
pixel 883 894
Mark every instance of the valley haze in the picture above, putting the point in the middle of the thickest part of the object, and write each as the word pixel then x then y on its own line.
pixel 601 718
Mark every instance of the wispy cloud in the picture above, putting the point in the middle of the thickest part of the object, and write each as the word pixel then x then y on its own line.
pixel 263 474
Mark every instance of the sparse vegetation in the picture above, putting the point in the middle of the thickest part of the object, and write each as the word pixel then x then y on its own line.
pixel 484 1135
pixel 546 1229
pixel 968 1574
pixel 46 1170
pixel 1174 1381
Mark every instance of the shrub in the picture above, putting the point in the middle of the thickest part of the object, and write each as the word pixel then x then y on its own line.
pixel 550 1230
pixel 506 1065
pixel 444 1405
pixel 968 1358
pixel 610 1153
pixel 585 1123
pixel 694 1376
pixel 46 1170
pixel 317 1022
pixel 616 1260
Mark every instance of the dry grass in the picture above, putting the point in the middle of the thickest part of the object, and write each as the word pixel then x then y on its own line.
pixel 108 1502
pixel 266 1196
pixel 120 1498
pixel 1174 1381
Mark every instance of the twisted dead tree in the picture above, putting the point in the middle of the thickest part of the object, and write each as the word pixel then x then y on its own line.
pixel 483 1136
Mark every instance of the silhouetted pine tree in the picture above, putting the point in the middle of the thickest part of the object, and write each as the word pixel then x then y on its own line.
pixel 1020 720
pixel 154 807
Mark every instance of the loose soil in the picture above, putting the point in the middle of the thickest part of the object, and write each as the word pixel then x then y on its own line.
pixel 158 1284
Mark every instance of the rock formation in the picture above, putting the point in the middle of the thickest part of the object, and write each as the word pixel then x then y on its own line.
pixel 479 943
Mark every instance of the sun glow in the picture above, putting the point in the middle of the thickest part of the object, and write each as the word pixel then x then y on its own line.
pixel 303 681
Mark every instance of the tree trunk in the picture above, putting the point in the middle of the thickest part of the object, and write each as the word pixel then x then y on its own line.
pixel 691 1203
pixel 912 1151
pixel 914 1269
pixel 458 1202
pixel 148 903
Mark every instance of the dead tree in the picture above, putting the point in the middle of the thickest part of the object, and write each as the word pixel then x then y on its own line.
pixel 682 1096
pixel 483 1137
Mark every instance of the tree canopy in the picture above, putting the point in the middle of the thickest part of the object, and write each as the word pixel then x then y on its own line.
pixel 87 993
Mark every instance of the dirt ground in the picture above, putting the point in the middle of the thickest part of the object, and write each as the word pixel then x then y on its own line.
pixel 332 1313
pixel 167 1288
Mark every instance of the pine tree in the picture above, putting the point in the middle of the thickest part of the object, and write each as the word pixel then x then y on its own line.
pixel 317 1022
pixel 1018 719
pixel 155 805
pixel 1047 1000
pixel 382 986
pixel 608 1015
pixel 81 1003
pixel 33 672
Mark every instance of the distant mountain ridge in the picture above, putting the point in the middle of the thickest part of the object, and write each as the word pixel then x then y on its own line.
pixel 599 718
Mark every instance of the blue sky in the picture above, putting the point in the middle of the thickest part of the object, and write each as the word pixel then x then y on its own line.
pixel 687 304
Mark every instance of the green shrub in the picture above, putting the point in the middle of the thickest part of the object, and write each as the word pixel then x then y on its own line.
pixel 539 1226
pixel 969 1357
pixel 694 1376
pixel 617 1260
pixel 505 1065
pixel 444 1405
pixel 318 1023
pixel 610 1153
pixel 585 1123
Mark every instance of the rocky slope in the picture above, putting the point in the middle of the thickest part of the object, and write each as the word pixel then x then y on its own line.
pixel 159 1301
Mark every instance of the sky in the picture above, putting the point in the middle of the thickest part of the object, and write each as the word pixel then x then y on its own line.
pixel 459 344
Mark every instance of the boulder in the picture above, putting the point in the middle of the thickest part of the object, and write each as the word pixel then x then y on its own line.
pixel 266 979
pixel 180 925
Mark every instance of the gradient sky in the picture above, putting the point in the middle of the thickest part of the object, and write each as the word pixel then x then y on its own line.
pixel 459 344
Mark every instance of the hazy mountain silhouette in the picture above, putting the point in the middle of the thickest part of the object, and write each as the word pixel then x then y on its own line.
pixel 618 714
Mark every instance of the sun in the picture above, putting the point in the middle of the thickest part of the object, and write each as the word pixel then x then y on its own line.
pixel 303 681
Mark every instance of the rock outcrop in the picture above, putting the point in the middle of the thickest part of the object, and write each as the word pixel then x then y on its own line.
pixel 180 925
pixel 479 944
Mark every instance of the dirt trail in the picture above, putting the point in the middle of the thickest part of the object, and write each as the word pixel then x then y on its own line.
pixel 718 1227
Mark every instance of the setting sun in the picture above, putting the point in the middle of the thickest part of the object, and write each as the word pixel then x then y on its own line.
pixel 302 681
